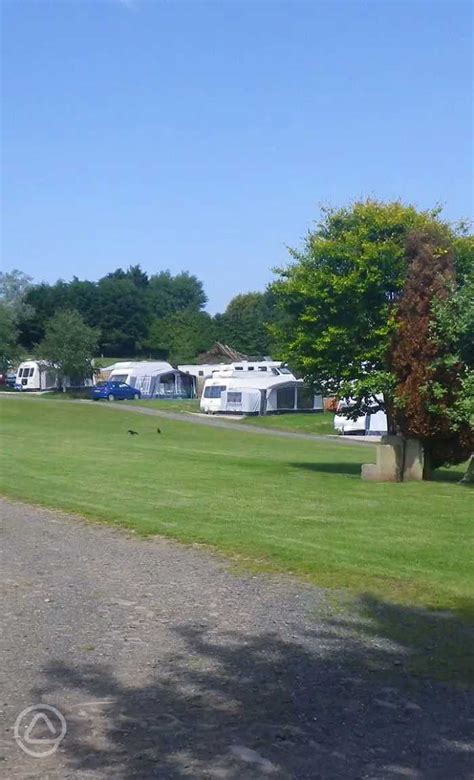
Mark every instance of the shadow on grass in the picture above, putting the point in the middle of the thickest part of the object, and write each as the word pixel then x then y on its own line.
pixel 335 467
pixel 451 476
pixel 337 700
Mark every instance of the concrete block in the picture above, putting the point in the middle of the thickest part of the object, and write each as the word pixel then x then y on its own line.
pixel 389 462
pixel 370 472
pixel 414 460
pixel 468 478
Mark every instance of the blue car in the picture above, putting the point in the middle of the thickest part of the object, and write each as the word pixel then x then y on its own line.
pixel 114 391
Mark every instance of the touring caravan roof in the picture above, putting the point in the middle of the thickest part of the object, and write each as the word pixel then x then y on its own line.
pixel 258 381
pixel 140 367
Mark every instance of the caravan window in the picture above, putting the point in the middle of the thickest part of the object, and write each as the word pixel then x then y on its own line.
pixel 20 373
pixel 239 368
pixel 234 398
pixel 214 391
pixel 262 368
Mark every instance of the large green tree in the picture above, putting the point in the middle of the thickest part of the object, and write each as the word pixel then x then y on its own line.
pixel 70 344
pixel 339 296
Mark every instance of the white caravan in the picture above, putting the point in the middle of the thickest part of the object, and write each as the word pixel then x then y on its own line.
pixel 41 375
pixel 232 392
pixel 36 375
pixel 154 379
pixel 206 370
pixel 371 424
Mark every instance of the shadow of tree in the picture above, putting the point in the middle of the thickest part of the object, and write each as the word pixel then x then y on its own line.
pixel 334 467
pixel 337 700
pixel 450 475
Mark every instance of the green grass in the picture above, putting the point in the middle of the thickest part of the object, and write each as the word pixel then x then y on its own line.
pixel 304 422
pixel 298 423
pixel 169 404
pixel 278 504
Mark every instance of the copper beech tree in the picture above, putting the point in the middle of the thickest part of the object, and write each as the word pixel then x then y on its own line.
pixel 428 370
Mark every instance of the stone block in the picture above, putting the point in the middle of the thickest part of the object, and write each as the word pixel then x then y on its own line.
pixel 413 464
pixel 370 473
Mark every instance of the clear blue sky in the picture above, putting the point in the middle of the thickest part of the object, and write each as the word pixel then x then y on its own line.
pixel 204 136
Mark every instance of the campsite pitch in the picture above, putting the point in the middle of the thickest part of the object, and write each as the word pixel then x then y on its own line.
pixel 273 504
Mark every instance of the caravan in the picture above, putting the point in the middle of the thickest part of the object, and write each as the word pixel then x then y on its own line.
pixel 36 375
pixel 231 392
pixel 42 375
pixel 370 424
pixel 153 379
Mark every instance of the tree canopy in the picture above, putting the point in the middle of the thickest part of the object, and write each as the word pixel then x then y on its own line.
pixel 70 344
pixel 340 296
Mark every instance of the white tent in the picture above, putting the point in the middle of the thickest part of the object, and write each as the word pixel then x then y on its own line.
pixel 232 392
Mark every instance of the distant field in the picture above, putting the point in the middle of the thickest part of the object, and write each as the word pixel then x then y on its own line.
pixel 279 504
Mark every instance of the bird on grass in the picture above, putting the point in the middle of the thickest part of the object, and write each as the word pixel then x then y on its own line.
pixel 132 433
pixel 158 430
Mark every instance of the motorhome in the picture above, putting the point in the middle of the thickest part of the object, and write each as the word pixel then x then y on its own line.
pixel 230 391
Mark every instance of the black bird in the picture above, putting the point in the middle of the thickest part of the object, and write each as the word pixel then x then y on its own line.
pixel 132 433
pixel 158 430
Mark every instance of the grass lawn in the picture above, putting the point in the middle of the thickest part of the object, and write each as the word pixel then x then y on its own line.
pixel 169 404
pixel 299 423
pixel 317 423
pixel 292 506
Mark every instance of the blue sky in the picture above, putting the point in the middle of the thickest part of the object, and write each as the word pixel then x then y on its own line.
pixel 204 136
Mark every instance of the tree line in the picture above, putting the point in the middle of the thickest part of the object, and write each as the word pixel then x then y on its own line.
pixel 136 315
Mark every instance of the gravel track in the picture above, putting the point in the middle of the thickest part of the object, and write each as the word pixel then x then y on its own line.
pixel 166 663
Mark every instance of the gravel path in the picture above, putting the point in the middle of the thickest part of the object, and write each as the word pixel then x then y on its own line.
pixel 168 664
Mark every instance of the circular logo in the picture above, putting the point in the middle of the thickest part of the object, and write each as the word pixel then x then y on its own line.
pixel 39 730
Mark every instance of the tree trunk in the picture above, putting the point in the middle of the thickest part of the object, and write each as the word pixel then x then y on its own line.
pixel 427 467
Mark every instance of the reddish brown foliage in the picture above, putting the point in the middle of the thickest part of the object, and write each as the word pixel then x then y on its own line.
pixel 415 356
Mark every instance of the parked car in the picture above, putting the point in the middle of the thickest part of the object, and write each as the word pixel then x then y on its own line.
pixel 10 378
pixel 114 391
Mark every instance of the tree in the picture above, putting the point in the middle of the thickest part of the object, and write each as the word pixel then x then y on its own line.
pixel 169 294
pixel 14 286
pixel 70 344
pixel 244 323
pixel 9 349
pixel 44 300
pixel 339 297
pixel 123 316
pixel 429 394
pixel 180 337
